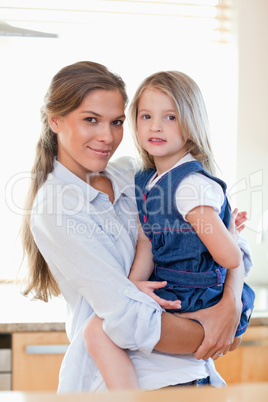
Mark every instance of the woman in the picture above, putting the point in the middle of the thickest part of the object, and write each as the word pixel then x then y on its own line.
pixel 80 237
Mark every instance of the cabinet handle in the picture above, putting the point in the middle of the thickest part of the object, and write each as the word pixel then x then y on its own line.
pixel 255 342
pixel 45 349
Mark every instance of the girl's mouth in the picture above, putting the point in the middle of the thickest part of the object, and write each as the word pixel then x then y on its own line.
pixel 156 140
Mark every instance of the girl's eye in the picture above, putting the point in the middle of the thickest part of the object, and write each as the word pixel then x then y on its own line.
pixel 171 117
pixel 118 123
pixel 91 119
pixel 145 117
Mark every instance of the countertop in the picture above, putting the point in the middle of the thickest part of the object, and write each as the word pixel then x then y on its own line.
pixel 21 314
pixel 232 393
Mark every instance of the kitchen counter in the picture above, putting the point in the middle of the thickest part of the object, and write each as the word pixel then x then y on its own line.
pixel 22 314
pixel 246 393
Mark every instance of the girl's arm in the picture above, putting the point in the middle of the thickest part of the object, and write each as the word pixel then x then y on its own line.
pixel 142 268
pixel 213 233
pixel 220 321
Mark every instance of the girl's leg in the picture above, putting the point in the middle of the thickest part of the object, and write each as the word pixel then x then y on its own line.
pixel 114 363
pixel 179 335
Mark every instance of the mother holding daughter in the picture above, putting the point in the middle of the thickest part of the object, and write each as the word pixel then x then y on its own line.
pixel 80 232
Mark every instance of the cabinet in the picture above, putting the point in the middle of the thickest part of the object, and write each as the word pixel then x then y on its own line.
pixel 249 362
pixel 36 360
pixel 37 357
pixel 5 362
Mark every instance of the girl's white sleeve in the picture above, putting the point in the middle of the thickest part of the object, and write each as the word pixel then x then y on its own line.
pixel 195 190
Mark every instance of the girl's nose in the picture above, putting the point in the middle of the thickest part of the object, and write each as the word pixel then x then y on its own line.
pixel 155 126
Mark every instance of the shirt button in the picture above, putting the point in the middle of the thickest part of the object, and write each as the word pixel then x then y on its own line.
pixel 118 213
pixel 125 292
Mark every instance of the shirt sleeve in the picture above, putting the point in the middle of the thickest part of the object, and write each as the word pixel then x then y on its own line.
pixel 247 257
pixel 131 318
pixel 197 189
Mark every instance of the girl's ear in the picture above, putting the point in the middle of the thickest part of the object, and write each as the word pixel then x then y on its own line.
pixel 54 122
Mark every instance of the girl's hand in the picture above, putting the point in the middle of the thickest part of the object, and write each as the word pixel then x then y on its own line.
pixel 237 222
pixel 148 288
pixel 220 323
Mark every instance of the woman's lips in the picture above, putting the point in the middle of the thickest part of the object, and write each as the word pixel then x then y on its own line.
pixel 101 152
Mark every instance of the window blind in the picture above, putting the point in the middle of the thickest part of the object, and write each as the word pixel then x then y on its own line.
pixel 207 18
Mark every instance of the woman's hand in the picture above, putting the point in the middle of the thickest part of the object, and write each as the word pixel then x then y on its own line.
pixel 220 323
pixel 148 288
pixel 236 343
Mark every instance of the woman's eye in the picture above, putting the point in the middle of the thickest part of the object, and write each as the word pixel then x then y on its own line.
pixel 91 119
pixel 118 123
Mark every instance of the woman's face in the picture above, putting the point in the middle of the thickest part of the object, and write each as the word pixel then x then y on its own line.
pixel 89 135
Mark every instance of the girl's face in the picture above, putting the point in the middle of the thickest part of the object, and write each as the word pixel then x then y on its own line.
pixel 89 135
pixel 158 129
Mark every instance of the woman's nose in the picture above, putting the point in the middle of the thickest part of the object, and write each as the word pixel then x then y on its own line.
pixel 106 134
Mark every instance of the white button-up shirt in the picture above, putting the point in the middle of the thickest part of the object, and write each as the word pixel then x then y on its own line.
pixel 89 244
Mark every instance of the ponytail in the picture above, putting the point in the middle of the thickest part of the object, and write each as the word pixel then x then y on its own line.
pixel 39 276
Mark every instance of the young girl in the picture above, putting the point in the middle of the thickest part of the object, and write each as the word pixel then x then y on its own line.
pixel 184 243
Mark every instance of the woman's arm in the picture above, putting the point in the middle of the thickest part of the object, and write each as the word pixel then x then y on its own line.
pixel 220 321
pixel 219 324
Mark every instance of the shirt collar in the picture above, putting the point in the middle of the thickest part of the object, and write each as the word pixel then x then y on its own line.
pixel 122 180
pixel 154 178
pixel 120 186
pixel 187 158
pixel 68 178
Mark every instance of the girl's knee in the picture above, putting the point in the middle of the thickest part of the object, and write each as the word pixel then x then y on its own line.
pixel 92 332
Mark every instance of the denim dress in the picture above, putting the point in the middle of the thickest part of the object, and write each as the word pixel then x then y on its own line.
pixel 180 257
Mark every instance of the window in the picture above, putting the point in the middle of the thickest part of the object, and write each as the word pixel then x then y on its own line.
pixel 134 39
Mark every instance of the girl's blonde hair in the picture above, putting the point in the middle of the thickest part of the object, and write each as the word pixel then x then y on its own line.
pixel 66 92
pixel 191 115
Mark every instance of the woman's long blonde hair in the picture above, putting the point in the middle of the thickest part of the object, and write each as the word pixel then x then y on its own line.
pixel 66 92
pixel 191 115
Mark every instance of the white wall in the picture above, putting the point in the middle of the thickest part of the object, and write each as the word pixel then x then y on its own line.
pixel 252 145
pixel 131 46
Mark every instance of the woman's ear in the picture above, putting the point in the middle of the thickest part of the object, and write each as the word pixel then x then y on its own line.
pixel 54 123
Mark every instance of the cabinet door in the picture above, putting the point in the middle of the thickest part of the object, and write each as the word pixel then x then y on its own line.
pixel 36 360
pixel 249 362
